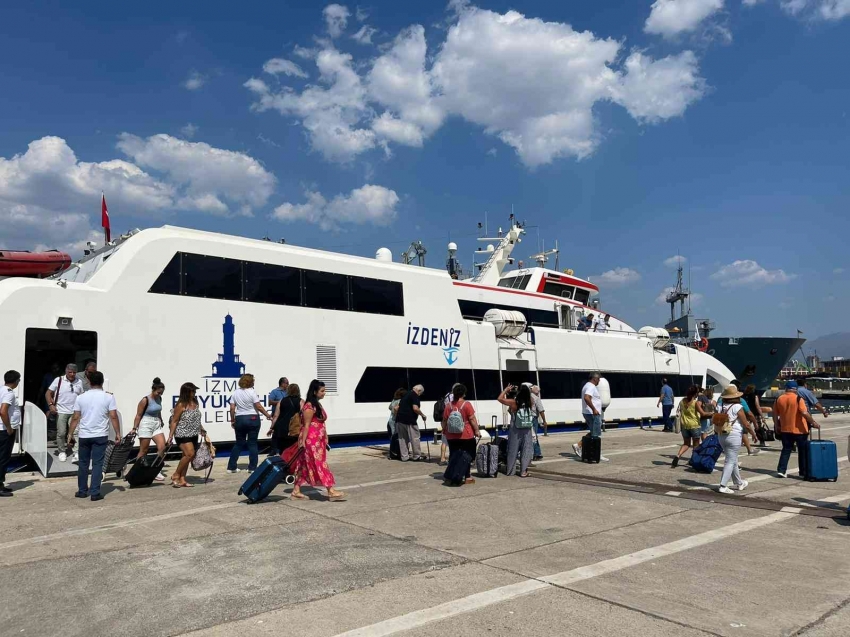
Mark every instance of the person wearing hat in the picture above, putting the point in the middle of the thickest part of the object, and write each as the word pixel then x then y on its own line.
pixel 793 420
pixel 731 438
pixel 185 429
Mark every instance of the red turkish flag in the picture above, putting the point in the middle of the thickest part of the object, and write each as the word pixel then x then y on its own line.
pixel 104 218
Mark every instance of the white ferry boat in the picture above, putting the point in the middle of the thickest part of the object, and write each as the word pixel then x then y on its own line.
pixel 187 305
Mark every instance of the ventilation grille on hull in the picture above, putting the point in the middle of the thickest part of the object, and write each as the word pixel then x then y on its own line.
pixel 326 367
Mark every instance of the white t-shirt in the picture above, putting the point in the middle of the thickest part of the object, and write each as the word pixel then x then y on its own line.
pixel 593 391
pixel 8 397
pixel 68 393
pixel 599 325
pixel 244 400
pixel 537 405
pixel 732 412
pixel 94 407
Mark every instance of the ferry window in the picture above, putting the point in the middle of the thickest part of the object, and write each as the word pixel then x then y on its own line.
pixel 507 282
pixel 212 277
pixel 376 297
pixel 325 290
pixel 168 282
pixel 275 284
pixel 582 296
pixel 521 282
pixel 378 383
pixel 558 289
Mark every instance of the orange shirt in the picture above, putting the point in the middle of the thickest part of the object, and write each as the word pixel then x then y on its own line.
pixel 790 409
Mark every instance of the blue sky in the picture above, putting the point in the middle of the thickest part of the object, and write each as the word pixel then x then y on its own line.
pixel 627 131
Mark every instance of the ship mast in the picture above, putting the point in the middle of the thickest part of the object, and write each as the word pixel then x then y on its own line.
pixel 679 295
pixel 491 271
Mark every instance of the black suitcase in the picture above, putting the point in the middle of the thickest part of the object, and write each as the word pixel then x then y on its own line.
pixel 459 465
pixel 395 448
pixel 116 454
pixel 145 470
pixel 591 448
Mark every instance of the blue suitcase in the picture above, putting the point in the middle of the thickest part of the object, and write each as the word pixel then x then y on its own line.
pixel 265 478
pixel 705 456
pixel 821 460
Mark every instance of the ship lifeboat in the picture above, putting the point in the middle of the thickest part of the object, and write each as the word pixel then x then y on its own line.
pixel 32 264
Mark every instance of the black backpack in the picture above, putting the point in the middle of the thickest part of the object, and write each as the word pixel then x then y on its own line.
pixel 439 408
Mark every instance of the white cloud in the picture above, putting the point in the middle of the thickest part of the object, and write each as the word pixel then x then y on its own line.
pixel 367 204
pixel 189 130
pixel 195 81
pixel 364 34
pixel 838 271
pixel 278 66
pixel 669 18
pixel 209 176
pixel 361 14
pixel 482 73
pixel 336 19
pixel 617 277
pixel 834 9
pixel 829 10
pixel 675 261
pixel 748 273
pixel 305 53
pixel 48 197
pixel 492 152
pixel 752 3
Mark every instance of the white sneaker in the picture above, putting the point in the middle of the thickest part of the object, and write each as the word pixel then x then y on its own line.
pixel 234 470
pixel 160 478
pixel 576 449
pixel 726 490
pixel 76 457
pixel 63 457
pixel 754 452
pixel 743 485
pixel 781 475
pixel 604 459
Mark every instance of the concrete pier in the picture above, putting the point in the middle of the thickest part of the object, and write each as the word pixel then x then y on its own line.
pixel 627 547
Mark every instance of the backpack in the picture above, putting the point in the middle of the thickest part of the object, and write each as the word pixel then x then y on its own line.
pixel 721 421
pixel 454 423
pixel 439 407
pixel 524 419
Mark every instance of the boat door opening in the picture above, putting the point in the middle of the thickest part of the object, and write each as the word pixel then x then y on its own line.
pixel 47 353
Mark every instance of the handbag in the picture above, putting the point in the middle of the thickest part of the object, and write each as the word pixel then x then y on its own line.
pixel 204 457
pixel 677 421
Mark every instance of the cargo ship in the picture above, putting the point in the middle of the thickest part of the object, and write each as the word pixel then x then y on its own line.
pixel 755 360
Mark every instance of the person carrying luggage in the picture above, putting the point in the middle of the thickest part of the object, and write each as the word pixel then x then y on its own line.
pixel 690 418
pixel 794 420
pixel 706 406
pixel 460 427
pixel 245 410
pixel 311 466
pixel 286 422
pixel 185 429
pixel 591 409
pixel 730 422
pixel 522 422
pixel 148 423
pixel 93 412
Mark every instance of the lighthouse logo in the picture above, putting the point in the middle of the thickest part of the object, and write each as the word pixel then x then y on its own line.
pixel 228 364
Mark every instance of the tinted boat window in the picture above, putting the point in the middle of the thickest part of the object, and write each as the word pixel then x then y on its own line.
pixel 212 277
pixel 276 284
pixel 325 290
pixel 376 297
pixel 582 296
pixel 168 281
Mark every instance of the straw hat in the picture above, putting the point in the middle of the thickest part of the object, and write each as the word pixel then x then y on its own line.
pixel 731 392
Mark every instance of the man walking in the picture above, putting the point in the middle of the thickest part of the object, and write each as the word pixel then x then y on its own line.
pixel 61 397
pixel 794 421
pixel 591 409
pixel 809 398
pixel 407 427
pixel 93 412
pixel 665 401
pixel 278 394
pixel 10 422
pixel 85 381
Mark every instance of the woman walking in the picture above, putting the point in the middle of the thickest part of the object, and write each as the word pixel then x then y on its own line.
pixel 393 408
pixel 464 440
pixel 311 465
pixel 284 431
pixel 245 408
pixel 730 423
pixel 690 419
pixel 522 422
pixel 148 424
pixel 185 429
pixel 706 406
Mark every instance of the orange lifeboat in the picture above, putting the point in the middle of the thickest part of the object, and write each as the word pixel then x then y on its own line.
pixel 32 264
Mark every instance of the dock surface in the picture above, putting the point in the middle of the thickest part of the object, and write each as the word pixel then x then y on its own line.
pixel 627 547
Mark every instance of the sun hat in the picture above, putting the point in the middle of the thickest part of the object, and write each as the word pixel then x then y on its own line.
pixel 731 392
pixel 791 384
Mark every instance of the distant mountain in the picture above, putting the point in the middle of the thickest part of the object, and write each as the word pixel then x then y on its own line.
pixel 830 345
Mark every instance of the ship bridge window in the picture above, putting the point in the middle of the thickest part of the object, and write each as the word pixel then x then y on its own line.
pixel 582 296
pixel 559 289
pixel 515 282
pixel 203 276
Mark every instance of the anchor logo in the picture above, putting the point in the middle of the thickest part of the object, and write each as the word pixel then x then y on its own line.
pixel 450 354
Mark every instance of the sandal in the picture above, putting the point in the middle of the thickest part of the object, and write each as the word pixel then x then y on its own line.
pixel 338 496
pixel 469 481
pixel 297 496
pixel 523 475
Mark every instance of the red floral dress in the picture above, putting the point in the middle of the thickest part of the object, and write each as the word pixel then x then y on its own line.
pixel 311 467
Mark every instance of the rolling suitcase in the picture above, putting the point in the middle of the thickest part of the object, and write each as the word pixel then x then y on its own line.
pixel 265 478
pixel 459 463
pixel 145 470
pixel 487 460
pixel 705 456
pixel 821 460
pixel 395 448
pixel 116 454
pixel 591 448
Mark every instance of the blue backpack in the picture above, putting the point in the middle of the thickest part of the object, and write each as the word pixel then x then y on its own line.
pixel 706 454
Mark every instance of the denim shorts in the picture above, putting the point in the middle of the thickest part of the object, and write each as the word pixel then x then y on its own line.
pixel 705 426
pixel 690 434
pixel 594 423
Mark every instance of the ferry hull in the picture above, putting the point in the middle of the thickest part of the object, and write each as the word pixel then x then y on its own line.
pixel 754 360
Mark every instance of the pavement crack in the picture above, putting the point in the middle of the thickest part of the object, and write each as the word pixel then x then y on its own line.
pixel 820 620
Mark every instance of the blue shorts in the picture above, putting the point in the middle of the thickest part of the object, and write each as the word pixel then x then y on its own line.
pixel 705 426
pixel 690 434
pixel 594 423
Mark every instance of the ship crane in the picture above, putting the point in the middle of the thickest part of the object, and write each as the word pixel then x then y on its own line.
pixel 416 252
